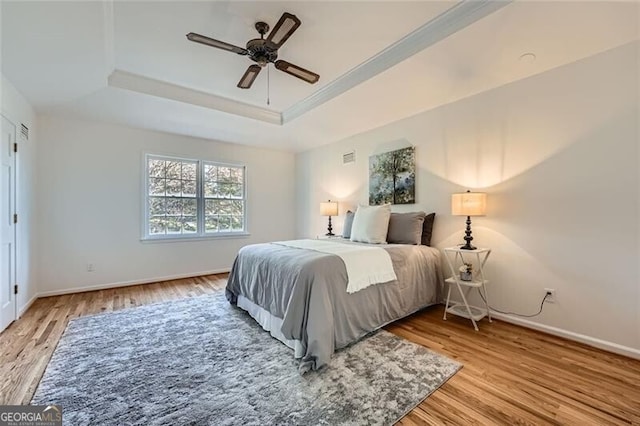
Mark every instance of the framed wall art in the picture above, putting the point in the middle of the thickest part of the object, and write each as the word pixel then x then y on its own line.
pixel 392 177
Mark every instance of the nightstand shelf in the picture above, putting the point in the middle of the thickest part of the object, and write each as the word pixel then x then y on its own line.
pixel 460 310
pixel 473 283
pixel 456 257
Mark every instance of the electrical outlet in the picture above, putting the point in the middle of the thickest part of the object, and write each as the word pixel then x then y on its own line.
pixel 91 267
pixel 551 298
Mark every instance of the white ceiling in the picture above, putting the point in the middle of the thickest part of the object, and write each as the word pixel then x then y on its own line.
pixel 60 55
pixel 333 38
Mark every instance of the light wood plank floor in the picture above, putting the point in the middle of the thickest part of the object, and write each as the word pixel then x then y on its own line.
pixel 511 375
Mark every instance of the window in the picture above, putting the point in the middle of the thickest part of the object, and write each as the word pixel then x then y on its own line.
pixel 193 198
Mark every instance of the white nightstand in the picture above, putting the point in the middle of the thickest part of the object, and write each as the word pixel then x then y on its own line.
pixel 456 257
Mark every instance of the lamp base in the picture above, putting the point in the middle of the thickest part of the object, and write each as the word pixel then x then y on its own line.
pixel 330 229
pixel 468 238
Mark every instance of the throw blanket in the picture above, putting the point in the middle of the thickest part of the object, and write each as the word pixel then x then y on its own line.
pixel 365 265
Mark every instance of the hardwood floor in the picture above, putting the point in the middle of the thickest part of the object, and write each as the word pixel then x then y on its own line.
pixel 511 375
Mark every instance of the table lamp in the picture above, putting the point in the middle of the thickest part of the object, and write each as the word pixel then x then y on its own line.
pixel 330 208
pixel 468 204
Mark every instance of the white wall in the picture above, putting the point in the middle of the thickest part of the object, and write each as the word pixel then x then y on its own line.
pixel 16 108
pixel 558 155
pixel 90 201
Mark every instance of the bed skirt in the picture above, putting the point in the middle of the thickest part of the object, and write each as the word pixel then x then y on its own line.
pixel 269 323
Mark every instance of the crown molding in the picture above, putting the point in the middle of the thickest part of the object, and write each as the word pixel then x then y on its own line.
pixel 141 84
pixel 449 22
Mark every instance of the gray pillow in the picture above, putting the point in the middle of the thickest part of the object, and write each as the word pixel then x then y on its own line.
pixel 427 228
pixel 348 223
pixel 405 228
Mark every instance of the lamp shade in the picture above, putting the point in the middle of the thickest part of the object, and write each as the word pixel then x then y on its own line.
pixel 330 208
pixel 469 204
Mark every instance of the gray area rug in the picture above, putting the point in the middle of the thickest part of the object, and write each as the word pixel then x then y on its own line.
pixel 201 361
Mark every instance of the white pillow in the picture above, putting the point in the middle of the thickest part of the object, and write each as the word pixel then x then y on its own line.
pixel 370 224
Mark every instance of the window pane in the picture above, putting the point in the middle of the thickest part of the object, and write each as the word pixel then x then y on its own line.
pixel 174 187
pixel 236 175
pixel 211 224
pixel 236 223
pixel 156 206
pixel 174 169
pixel 223 207
pixel 156 168
pixel 235 191
pixel 216 208
pixel 210 189
pixel 174 225
pixel 232 207
pixel 156 226
pixel 224 190
pixel 189 207
pixel 210 173
pixel 189 224
pixel 209 207
pixel 156 186
pixel 189 188
pixel 229 190
pixel 189 171
pixel 224 223
pixel 224 174
pixel 237 207
pixel 228 207
pixel 174 207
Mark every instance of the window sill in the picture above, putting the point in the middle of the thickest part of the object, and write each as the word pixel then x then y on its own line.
pixel 181 238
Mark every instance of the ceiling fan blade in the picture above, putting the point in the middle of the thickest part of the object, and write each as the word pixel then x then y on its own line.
pixel 286 26
pixel 296 71
pixel 249 76
pixel 216 43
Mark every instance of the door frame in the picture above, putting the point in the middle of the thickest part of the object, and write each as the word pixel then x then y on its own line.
pixel 14 183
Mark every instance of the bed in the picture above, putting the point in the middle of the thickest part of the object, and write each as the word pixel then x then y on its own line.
pixel 300 295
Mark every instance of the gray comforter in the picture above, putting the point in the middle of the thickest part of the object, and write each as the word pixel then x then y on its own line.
pixel 307 290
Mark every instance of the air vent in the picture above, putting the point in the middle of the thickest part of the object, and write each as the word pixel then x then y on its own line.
pixel 24 130
pixel 349 158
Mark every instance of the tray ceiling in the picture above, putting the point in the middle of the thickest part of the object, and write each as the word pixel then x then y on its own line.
pixel 61 56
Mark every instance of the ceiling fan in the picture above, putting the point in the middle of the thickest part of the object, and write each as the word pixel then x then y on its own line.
pixel 263 51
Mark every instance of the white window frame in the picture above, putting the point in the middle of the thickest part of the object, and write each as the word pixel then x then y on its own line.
pixel 200 201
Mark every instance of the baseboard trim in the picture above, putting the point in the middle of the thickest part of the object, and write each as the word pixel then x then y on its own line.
pixel 128 283
pixel 587 340
pixel 27 305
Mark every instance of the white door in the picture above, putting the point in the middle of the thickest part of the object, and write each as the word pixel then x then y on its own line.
pixel 8 304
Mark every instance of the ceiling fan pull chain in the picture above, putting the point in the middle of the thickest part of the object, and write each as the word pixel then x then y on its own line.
pixel 268 102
